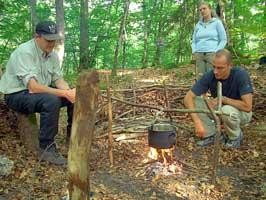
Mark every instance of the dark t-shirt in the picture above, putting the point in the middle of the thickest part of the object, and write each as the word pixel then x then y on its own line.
pixel 237 84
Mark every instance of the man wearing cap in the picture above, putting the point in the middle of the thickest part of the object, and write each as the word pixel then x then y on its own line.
pixel 33 83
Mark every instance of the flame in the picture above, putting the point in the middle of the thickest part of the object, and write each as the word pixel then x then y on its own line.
pixel 165 155
pixel 153 153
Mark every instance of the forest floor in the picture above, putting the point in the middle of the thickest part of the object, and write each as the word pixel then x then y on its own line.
pixel 241 172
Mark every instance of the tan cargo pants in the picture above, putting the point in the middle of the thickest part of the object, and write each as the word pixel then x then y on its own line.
pixel 231 123
pixel 203 63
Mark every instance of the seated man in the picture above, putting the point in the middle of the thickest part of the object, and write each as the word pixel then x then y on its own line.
pixel 236 101
pixel 33 82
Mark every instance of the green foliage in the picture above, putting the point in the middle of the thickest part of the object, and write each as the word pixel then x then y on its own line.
pixel 171 22
pixel 102 85
pixel 71 79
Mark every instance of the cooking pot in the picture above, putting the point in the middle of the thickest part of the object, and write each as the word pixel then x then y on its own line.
pixel 162 136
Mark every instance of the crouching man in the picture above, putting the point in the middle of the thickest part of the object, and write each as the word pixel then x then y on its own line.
pixel 33 82
pixel 236 101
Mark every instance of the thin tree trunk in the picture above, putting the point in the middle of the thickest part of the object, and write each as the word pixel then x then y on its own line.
pixel 222 17
pixel 105 59
pixel 82 135
pixel 179 47
pixel 92 59
pixel 122 27
pixel 84 35
pixel 124 54
pixel 146 28
pixel 100 36
pixel 60 48
pixel 34 17
pixel 159 40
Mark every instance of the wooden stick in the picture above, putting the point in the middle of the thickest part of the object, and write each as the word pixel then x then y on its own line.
pixel 152 87
pixel 131 136
pixel 216 150
pixel 167 105
pixel 117 132
pixel 135 101
pixel 218 128
pixel 123 114
pixel 82 135
pixel 167 110
pixel 110 122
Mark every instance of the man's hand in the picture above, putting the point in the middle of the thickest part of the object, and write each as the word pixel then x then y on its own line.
pixel 71 95
pixel 199 129
pixel 189 103
pixel 213 103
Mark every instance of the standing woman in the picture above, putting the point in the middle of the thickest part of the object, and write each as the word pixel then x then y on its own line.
pixel 209 36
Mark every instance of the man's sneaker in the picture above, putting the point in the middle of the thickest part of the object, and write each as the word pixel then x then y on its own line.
pixel 210 140
pixel 206 141
pixel 223 138
pixel 52 155
pixel 235 143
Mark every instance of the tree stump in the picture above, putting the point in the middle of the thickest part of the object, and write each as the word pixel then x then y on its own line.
pixel 23 125
pixel 8 119
pixel 28 130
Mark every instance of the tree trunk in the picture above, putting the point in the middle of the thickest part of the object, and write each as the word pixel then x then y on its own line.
pixel 60 48
pixel 109 29
pixel 84 35
pixel 101 35
pixel 182 29
pixel 222 17
pixel 122 27
pixel 146 28
pixel 159 40
pixel 82 135
pixel 124 54
pixel 34 17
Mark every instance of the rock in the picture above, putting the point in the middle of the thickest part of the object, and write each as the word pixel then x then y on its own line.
pixel 6 166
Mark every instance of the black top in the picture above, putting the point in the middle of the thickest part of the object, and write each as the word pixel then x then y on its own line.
pixel 237 84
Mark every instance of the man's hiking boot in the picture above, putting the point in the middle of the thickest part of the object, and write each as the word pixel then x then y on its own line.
pixel 210 140
pixel 52 155
pixel 235 143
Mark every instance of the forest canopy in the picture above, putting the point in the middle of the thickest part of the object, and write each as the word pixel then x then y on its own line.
pixel 131 34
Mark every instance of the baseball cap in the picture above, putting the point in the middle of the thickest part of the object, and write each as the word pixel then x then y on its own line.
pixel 48 30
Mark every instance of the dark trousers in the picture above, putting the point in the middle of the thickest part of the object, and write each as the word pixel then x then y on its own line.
pixel 48 106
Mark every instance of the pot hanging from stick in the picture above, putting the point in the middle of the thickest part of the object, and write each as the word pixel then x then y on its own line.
pixel 162 136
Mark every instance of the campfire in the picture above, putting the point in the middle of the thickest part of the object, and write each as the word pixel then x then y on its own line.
pixel 165 156
pixel 162 139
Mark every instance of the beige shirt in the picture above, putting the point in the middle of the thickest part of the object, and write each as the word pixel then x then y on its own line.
pixel 26 62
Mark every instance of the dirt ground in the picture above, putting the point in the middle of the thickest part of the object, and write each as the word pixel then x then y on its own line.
pixel 241 172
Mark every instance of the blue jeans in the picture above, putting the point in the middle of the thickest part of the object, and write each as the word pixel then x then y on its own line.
pixel 48 106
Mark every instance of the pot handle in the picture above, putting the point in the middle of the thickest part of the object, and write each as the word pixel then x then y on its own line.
pixel 150 128
pixel 172 137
